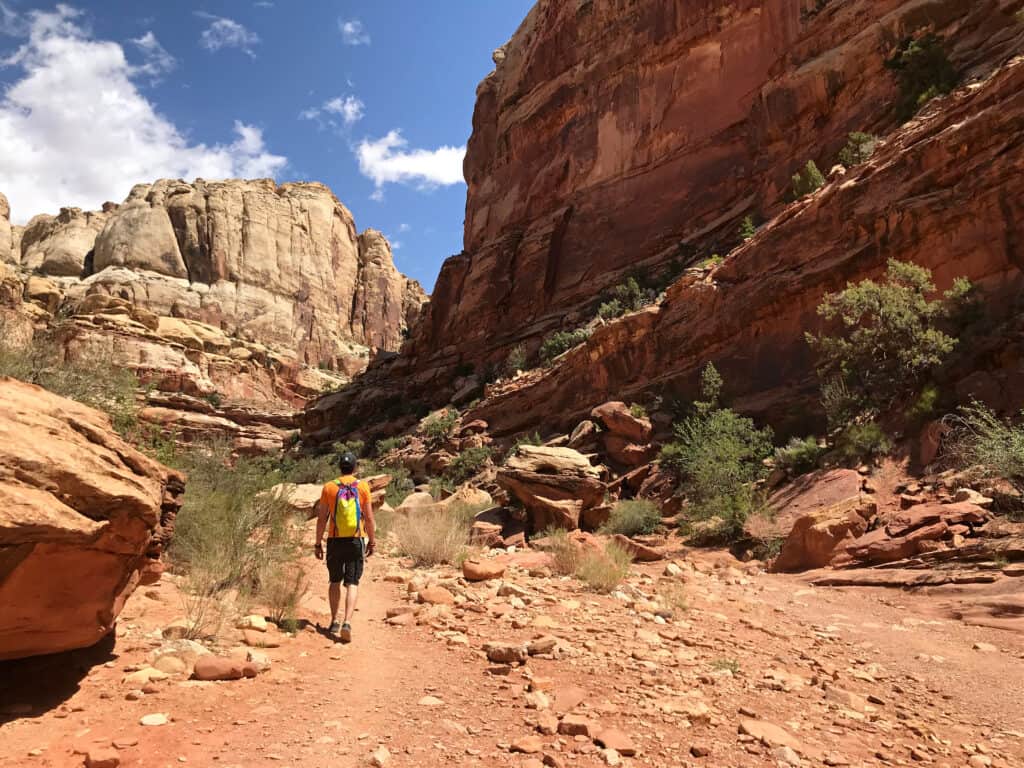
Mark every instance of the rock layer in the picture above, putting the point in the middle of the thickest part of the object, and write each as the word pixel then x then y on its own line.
pixel 614 138
pixel 82 517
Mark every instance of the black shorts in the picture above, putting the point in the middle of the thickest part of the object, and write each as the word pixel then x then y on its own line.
pixel 345 561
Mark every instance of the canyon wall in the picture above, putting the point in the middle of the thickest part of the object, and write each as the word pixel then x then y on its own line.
pixel 622 137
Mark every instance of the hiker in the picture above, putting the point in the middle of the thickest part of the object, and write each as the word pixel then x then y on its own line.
pixel 346 513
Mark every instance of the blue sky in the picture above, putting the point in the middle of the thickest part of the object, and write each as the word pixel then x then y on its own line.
pixel 375 99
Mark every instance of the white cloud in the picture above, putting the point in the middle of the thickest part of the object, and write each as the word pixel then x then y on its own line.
pixel 349 108
pixel 404 227
pixel 75 130
pixel 352 32
pixel 388 161
pixel 158 62
pixel 227 33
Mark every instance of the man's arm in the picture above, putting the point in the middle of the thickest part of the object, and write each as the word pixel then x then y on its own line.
pixel 371 525
pixel 321 525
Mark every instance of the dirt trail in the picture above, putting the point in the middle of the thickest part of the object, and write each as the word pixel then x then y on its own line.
pixel 855 677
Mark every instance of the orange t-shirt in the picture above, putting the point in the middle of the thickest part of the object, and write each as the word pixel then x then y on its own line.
pixel 329 495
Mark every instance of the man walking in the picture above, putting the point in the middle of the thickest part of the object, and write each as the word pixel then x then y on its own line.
pixel 346 514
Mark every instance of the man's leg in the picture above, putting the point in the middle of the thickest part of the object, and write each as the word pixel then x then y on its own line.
pixel 334 595
pixel 351 594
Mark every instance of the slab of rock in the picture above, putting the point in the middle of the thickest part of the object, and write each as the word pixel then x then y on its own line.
pixel 81 515
pixel 506 653
pixel 769 734
pixel 817 536
pixel 617 419
pixel 613 738
pixel 482 570
pixel 639 552
pixel 554 484
pixel 221 668
pixel 436 596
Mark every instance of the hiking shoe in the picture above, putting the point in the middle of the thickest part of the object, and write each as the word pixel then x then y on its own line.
pixel 346 633
pixel 335 628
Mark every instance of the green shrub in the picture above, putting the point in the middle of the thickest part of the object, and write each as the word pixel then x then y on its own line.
pixel 565 554
pixel 799 456
pixel 439 427
pixel 809 180
pixel 747 228
pixel 633 517
pixel 282 587
pixel 467 464
pixel 604 570
pixel 516 360
pixel 859 148
pixel 638 411
pixel 526 439
pixel 712 261
pixel 356 447
pixel 716 456
pixel 562 341
pixel 441 487
pixel 611 309
pixel 981 440
pixel 87 379
pixel 305 469
pixel 862 441
pixel 923 71
pixel 401 485
pixel 389 444
pixel 888 337
pixel 925 406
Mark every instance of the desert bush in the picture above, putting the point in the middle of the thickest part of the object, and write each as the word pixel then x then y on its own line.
pixel 441 487
pixel 400 486
pixel 467 464
pixel 924 406
pixel 673 596
pixel 562 341
pixel 808 180
pixel 799 456
pixel 565 554
pixel 633 517
pixel 516 360
pixel 439 427
pixel 712 261
pixel 388 444
pixel 923 71
pixel 862 441
pixel 716 456
pixel 87 379
pixel 747 228
pixel 888 335
pixel 603 570
pixel 627 296
pixel 435 536
pixel 304 469
pixel 356 447
pixel 859 148
pixel 282 587
pixel 638 411
pixel 980 440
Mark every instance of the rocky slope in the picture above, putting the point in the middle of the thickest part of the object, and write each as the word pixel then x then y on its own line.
pixel 614 139
pixel 238 290
pixel 83 519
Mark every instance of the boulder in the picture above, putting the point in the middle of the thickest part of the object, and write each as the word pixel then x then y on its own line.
pixel 81 514
pixel 638 551
pixel 626 453
pixel 43 293
pixel 414 501
pixel 818 536
pixel 618 420
pixel 301 498
pixel 554 484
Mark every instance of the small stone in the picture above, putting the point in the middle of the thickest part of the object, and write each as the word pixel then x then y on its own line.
pixel 611 757
pixel 528 745
pixel 542 645
pixel 430 701
pixel 985 648
pixel 505 653
pixel 254 622
pixel 613 738
pixel 699 750
pixel 157 718
pixel 436 596
pixel 380 757
pixel 102 757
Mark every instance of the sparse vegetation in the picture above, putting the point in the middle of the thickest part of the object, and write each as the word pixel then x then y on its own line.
pixel 565 554
pixel 562 341
pixel 726 665
pixel 440 426
pixel 389 444
pixel 747 228
pixel 282 588
pixel 994 447
pixel 401 485
pixel 436 536
pixel 467 464
pixel 673 597
pixel 716 457
pixel 638 411
pixel 633 517
pixel 627 296
pixel 604 570
pixel 767 549
pixel 862 441
pixel 888 339
pixel 712 261
pixel 516 360
pixel 859 148
pixel 923 71
pixel 87 379
pixel 808 180
pixel 441 487
pixel 799 456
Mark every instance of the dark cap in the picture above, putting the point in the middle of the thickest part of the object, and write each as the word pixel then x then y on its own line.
pixel 347 462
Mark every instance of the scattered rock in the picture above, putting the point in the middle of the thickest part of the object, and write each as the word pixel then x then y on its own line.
pixel 482 570
pixel 613 738
pixel 221 668
pixel 436 596
pixel 154 719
